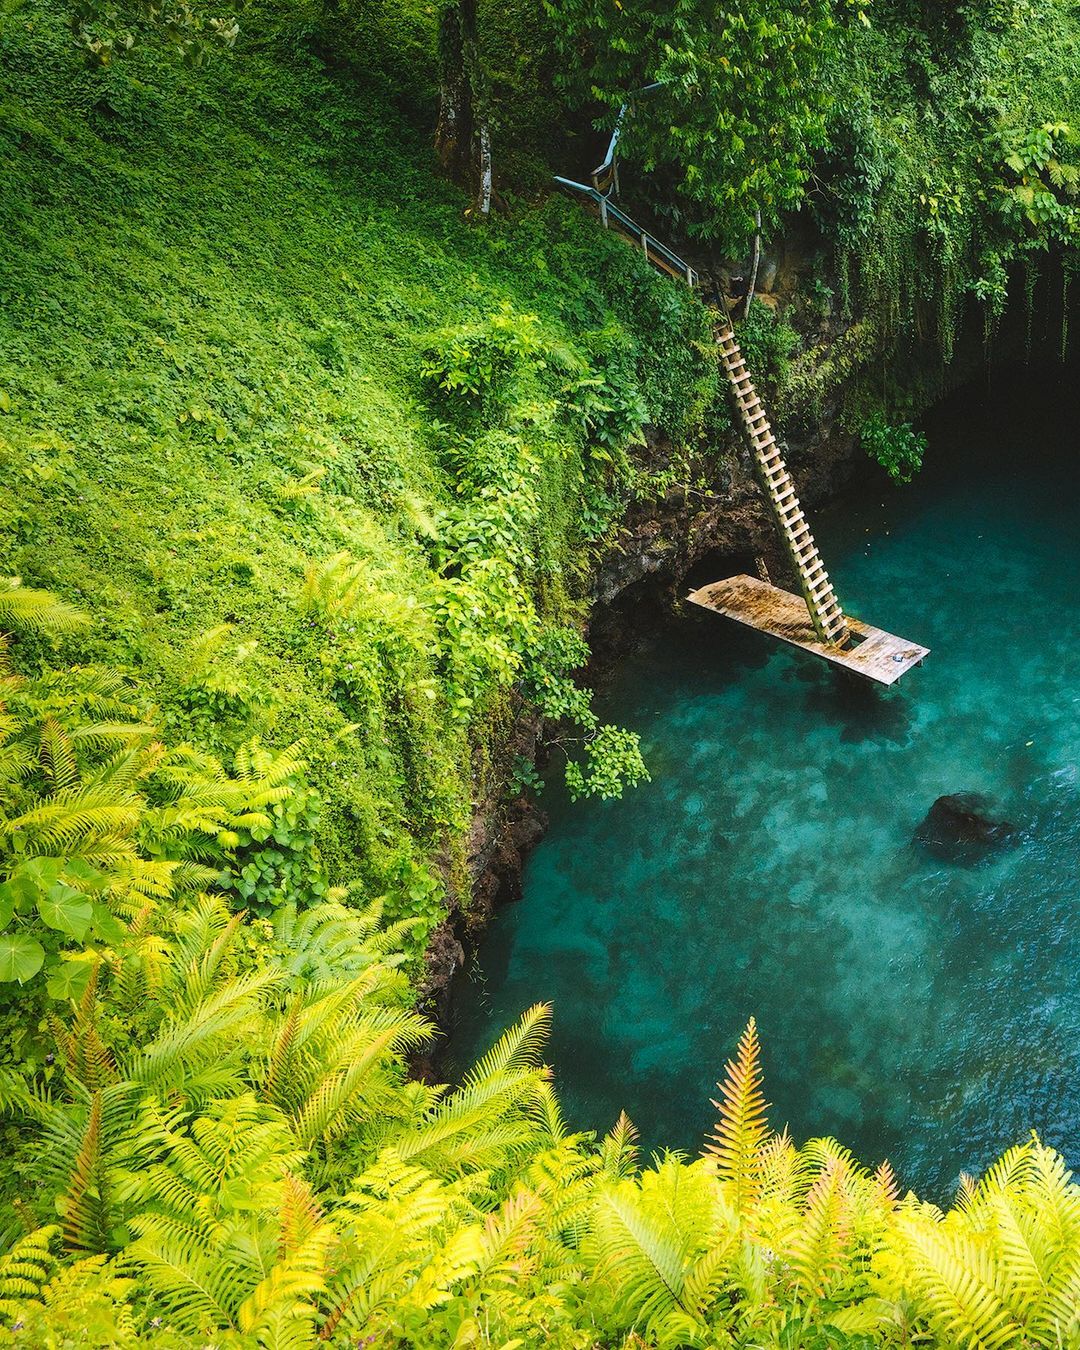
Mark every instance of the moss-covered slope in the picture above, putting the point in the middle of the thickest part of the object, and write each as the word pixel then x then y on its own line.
pixel 228 300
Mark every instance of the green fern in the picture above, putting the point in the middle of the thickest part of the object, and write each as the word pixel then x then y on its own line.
pixel 742 1129
pixel 25 610
pixel 25 1269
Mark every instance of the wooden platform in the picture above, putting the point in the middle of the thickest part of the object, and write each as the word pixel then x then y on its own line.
pixel 873 654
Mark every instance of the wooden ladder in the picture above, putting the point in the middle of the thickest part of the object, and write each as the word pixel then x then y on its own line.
pixel 825 612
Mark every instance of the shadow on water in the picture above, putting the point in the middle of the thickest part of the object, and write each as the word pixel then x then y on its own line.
pixel 916 1007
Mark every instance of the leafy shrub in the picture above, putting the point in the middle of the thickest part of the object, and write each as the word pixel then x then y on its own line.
pixel 896 446
pixel 767 342
pixel 276 860
pixel 612 763
pixel 470 360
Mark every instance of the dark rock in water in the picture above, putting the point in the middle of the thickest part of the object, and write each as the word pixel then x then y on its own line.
pixel 963 825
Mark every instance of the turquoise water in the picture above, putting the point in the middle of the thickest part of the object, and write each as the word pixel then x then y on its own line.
pixel 920 1010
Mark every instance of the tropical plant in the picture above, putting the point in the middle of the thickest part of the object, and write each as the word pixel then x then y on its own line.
pixel 896 446
pixel 740 105
pixel 104 31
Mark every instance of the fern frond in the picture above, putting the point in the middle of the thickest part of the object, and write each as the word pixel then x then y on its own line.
pixel 85 1208
pixel 25 610
pixel 57 756
pixel 26 1267
pixel 619 1150
pixel 956 1289
pixel 816 1254
pixel 519 1047
pixel 742 1128
pixel 888 1186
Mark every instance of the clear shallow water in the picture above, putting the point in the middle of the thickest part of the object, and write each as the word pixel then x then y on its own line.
pixel 924 1011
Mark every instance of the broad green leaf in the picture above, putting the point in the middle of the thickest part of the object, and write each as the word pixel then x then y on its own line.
pixel 69 975
pixel 24 888
pixel 89 878
pixel 67 910
pixel 21 957
pixel 107 926
pixel 44 870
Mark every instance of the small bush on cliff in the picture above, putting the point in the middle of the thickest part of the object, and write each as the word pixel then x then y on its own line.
pixel 896 446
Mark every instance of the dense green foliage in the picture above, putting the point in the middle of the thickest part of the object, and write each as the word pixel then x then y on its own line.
pixel 897 447
pixel 952 156
pixel 303 477
pixel 933 146
pixel 222 1149
pixel 741 108
pixel 323 463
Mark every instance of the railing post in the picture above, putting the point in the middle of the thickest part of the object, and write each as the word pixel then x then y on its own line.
pixel 603 211
pixel 645 244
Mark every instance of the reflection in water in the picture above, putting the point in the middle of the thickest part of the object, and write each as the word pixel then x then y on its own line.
pixel 915 1008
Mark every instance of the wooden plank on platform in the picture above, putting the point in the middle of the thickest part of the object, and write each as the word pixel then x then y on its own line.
pixel 874 654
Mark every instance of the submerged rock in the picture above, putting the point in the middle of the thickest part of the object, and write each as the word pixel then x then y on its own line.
pixel 963 825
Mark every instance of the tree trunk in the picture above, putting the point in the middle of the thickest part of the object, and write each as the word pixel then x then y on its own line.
pixel 462 132
pixel 756 263
pixel 484 141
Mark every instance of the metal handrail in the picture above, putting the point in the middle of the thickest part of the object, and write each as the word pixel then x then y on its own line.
pixel 605 177
pixel 655 251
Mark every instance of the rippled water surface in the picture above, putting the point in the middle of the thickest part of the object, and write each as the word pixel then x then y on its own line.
pixel 920 1010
